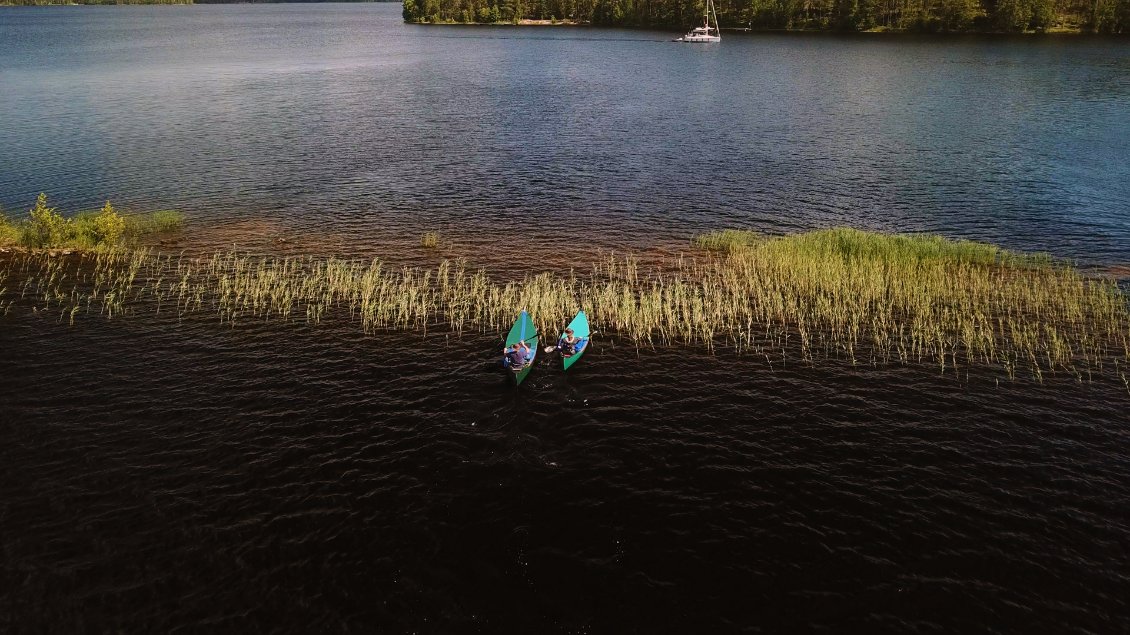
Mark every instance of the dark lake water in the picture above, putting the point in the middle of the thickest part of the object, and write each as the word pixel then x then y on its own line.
pixel 159 475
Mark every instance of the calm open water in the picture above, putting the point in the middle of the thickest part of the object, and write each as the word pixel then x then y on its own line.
pixel 158 475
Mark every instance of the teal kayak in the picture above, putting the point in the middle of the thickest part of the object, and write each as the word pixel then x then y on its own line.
pixel 523 331
pixel 580 326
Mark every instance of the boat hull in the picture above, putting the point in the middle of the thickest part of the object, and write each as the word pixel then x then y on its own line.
pixel 580 326
pixel 523 330
pixel 705 34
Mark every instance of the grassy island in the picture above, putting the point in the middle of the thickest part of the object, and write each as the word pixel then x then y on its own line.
pixel 866 297
pixel 45 228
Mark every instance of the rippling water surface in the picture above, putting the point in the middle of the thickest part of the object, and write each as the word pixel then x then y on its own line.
pixel 158 474
pixel 343 121
pixel 283 476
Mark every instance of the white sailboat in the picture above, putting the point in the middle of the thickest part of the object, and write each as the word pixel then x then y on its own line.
pixel 705 33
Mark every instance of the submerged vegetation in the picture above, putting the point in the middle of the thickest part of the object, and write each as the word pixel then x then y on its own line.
pixel 727 240
pixel 1093 16
pixel 870 298
pixel 46 228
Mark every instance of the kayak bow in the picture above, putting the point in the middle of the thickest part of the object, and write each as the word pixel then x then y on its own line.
pixel 523 331
pixel 580 326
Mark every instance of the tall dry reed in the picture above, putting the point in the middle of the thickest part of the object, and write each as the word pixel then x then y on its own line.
pixel 870 298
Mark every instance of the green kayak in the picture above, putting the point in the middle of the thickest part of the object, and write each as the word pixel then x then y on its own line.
pixel 580 326
pixel 523 331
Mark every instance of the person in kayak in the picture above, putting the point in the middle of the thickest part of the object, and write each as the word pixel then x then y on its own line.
pixel 517 355
pixel 569 343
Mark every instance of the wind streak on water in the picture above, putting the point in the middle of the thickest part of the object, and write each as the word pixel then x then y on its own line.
pixel 278 475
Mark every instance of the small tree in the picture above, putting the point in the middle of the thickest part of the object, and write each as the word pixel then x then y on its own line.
pixel 109 226
pixel 46 228
pixel 411 11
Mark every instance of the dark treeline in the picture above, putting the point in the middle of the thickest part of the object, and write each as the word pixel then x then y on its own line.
pixel 280 1
pixel 1010 16
pixel 37 3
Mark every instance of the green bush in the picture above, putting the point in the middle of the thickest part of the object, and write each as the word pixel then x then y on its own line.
pixel 81 231
pixel 9 231
pixel 109 226
pixel 91 229
pixel 45 228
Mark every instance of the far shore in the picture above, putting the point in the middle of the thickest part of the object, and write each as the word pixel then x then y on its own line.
pixel 729 29
pixel 523 22
pixel 568 22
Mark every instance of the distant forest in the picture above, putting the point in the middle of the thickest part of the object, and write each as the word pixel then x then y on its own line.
pixel 1007 16
pixel 956 16
pixel 43 3
pixel 37 3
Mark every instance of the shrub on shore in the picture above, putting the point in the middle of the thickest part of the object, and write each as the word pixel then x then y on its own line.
pixel 9 231
pixel 46 228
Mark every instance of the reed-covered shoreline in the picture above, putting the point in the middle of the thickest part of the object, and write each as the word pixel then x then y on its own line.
pixel 870 298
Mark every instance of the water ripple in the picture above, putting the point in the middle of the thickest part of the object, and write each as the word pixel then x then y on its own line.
pixel 238 470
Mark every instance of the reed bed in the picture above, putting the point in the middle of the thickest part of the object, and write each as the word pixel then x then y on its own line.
pixel 870 298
